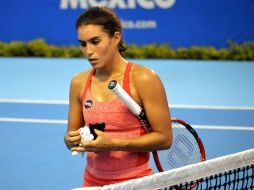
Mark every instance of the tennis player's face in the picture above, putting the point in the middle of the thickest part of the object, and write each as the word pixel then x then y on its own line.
pixel 96 45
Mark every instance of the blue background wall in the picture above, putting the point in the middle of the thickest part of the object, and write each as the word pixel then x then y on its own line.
pixel 177 22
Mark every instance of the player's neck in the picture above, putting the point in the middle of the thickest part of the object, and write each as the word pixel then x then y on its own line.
pixel 115 67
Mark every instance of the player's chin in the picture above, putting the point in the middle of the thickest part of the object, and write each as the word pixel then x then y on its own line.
pixel 98 65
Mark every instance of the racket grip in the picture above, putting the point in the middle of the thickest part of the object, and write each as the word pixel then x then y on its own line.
pixel 125 97
pixel 130 103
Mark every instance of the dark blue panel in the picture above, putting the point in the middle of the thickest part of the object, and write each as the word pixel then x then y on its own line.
pixel 178 22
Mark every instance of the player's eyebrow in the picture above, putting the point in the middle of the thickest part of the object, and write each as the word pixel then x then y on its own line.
pixel 91 39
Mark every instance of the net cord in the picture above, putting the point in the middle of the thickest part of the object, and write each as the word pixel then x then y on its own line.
pixel 184 174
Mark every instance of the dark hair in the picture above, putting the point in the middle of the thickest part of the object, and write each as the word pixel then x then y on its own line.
pixel 105 17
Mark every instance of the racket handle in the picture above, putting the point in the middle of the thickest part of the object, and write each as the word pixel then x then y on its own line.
pixel 131 104
pixel 125 97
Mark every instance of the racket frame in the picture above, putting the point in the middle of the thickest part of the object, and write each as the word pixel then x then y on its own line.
pixel 196 137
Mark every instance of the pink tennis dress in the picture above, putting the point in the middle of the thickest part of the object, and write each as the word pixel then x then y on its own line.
pixel 112 167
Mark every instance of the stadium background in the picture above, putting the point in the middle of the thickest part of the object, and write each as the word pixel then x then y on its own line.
pixel 214 96
pixel 177 22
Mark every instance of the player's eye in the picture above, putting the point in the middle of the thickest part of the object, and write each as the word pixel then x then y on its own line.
pixel 83 44
pixel 95 41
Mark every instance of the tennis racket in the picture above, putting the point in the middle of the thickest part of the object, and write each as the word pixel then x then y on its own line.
pixel 187 148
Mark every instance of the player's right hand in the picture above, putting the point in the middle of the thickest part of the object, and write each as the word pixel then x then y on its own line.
pixel 72 139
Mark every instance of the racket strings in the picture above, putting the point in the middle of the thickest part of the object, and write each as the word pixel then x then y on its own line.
pixel 184 150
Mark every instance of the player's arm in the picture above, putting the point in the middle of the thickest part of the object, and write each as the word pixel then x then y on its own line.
pixel 75 117
pixel 151 93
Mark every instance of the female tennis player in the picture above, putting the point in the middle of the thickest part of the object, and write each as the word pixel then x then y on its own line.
pixel 121 152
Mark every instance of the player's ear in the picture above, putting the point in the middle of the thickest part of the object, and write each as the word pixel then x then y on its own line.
pixel 117 38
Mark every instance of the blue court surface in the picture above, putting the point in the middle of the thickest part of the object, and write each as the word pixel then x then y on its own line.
pixel 216 98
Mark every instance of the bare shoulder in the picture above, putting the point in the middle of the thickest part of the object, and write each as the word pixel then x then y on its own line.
pixel 147 84
pixel 78 84
pixel 142 75
pixel 80 78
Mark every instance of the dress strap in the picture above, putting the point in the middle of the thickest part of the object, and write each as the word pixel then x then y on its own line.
pixel 88 81
pixel 126 78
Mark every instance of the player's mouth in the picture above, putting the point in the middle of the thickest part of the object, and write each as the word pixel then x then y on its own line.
pixel 92 60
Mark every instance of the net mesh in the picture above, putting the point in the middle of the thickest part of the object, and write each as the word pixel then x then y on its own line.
pixel 235 171
pixel 240 178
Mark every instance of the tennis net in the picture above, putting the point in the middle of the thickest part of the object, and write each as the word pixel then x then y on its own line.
pixel 235 171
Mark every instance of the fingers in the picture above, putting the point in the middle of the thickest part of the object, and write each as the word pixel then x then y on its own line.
pixel 78 149
pixel 87 147
pixel 73 138
pixel 98 132
pixel 73 133
pixel 84 146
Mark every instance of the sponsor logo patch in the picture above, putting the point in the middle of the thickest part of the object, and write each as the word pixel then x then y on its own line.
pixel 88 104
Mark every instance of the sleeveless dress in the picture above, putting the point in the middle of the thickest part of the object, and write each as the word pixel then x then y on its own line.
pixel 111 167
